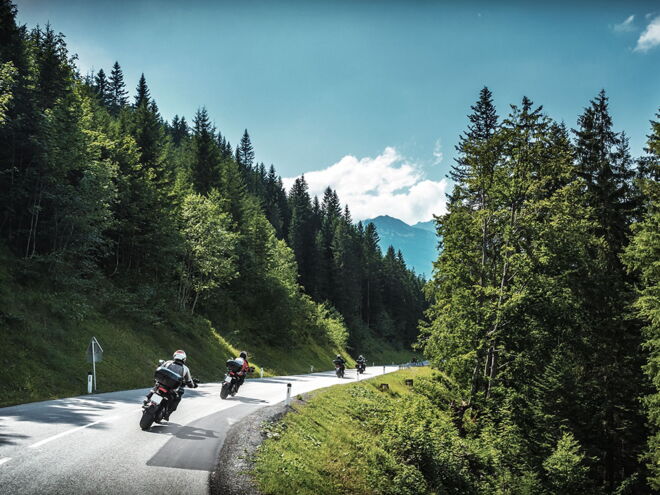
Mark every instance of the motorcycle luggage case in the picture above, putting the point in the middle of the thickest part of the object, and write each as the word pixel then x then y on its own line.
pixel 232 365
pixel 168 377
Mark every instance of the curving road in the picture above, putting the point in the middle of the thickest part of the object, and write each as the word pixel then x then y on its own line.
pixel 93 444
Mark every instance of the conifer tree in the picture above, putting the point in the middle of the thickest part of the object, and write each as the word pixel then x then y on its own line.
pixel 206 166
pixel 142 92
pixel 102 88
pixel 118 93
pixel 245 151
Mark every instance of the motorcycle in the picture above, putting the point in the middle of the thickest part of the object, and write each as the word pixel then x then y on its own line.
pixel 361 367
pixel 156 406
pixel 232 380
pixel 339 370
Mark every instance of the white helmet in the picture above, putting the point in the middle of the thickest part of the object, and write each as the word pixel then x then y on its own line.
pixel 181 355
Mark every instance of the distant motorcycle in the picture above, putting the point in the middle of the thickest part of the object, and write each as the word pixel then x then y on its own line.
pixel 156 406
pixel 339 370
pixel 231 382
pixel 361 367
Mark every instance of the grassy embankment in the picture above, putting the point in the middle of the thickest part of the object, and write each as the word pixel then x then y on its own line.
pixel 360 439
pixel 44 333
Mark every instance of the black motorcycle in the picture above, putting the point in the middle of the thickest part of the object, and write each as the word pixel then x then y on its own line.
pixel 361 367
pixel 232 380
pixel 156 405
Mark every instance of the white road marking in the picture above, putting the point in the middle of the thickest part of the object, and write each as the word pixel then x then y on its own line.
pixel 64 433
pixel 4 459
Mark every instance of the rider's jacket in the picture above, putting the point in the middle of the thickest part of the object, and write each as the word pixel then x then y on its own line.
pixel 244 364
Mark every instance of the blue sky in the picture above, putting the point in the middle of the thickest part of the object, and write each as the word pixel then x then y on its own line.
pixel 373 86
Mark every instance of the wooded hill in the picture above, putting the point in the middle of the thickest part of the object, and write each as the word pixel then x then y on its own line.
pixel 110 214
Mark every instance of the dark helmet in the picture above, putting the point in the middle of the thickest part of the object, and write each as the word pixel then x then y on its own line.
pixel 361 357
pixel 243 354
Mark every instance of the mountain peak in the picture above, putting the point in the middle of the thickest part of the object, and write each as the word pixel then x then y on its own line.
pixel 418 244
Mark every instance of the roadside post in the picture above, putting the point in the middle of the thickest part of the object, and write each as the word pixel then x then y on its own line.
pixel 383 369
pixel 261 372
pixel 288 394
pixel 94 355
pixel 89 382
pixel 311 369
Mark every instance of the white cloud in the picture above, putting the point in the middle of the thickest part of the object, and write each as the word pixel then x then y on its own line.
pixel 650 37
pixel 437 152
pixel 625 26
pixel 384 185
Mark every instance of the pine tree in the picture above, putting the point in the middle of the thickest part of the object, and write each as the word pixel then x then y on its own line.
pixel 118 93
pixel 142 92
pixel 604 164
pixel 206 166
pixel 102 88
pixel 179 130
pixel 245 151
pixel 301 236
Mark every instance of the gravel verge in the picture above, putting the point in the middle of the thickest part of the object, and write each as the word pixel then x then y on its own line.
pixel 232 474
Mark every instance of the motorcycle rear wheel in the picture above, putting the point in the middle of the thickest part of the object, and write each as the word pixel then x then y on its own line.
pixel 224 391
pixel 147 419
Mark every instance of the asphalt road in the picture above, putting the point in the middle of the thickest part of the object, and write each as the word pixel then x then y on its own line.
pixel 93 444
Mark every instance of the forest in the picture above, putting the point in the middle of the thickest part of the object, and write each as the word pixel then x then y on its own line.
pixel 108 209
pixel 544 301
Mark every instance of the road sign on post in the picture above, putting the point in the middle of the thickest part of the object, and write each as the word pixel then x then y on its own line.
pixel 94 355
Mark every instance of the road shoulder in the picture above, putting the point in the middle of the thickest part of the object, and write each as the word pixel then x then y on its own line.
pixel 232 473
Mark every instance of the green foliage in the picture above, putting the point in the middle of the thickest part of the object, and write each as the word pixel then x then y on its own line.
pixel 565 467
pixel 7 80
pixel 530 302
pixel 209 259
pixel 642 257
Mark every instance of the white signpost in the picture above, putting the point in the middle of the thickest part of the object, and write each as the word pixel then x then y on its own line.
pixel 94 355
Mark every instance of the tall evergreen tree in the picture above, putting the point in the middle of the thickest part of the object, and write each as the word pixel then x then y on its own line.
pixel 118 93
pixel 206 166
pixel 102 88
pixel 142 92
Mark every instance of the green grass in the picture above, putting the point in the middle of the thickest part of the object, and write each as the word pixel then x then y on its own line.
pixel 328 446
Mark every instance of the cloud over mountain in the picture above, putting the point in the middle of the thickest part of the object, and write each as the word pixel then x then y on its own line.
pixel 385 185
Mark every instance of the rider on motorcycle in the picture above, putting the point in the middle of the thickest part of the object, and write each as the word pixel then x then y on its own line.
pixel 245 366
pixel 361 361
pixel 177 365
pixel 340 361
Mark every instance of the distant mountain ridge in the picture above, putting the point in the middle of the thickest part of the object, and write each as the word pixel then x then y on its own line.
pixel 417 242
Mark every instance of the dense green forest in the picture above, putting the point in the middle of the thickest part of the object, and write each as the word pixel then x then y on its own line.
pixel 109 212
pixel 544 301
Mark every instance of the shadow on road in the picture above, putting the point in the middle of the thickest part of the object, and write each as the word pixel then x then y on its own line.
pixel 76 411
pixel 183 432
pixel 247 400
pixel 10 438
